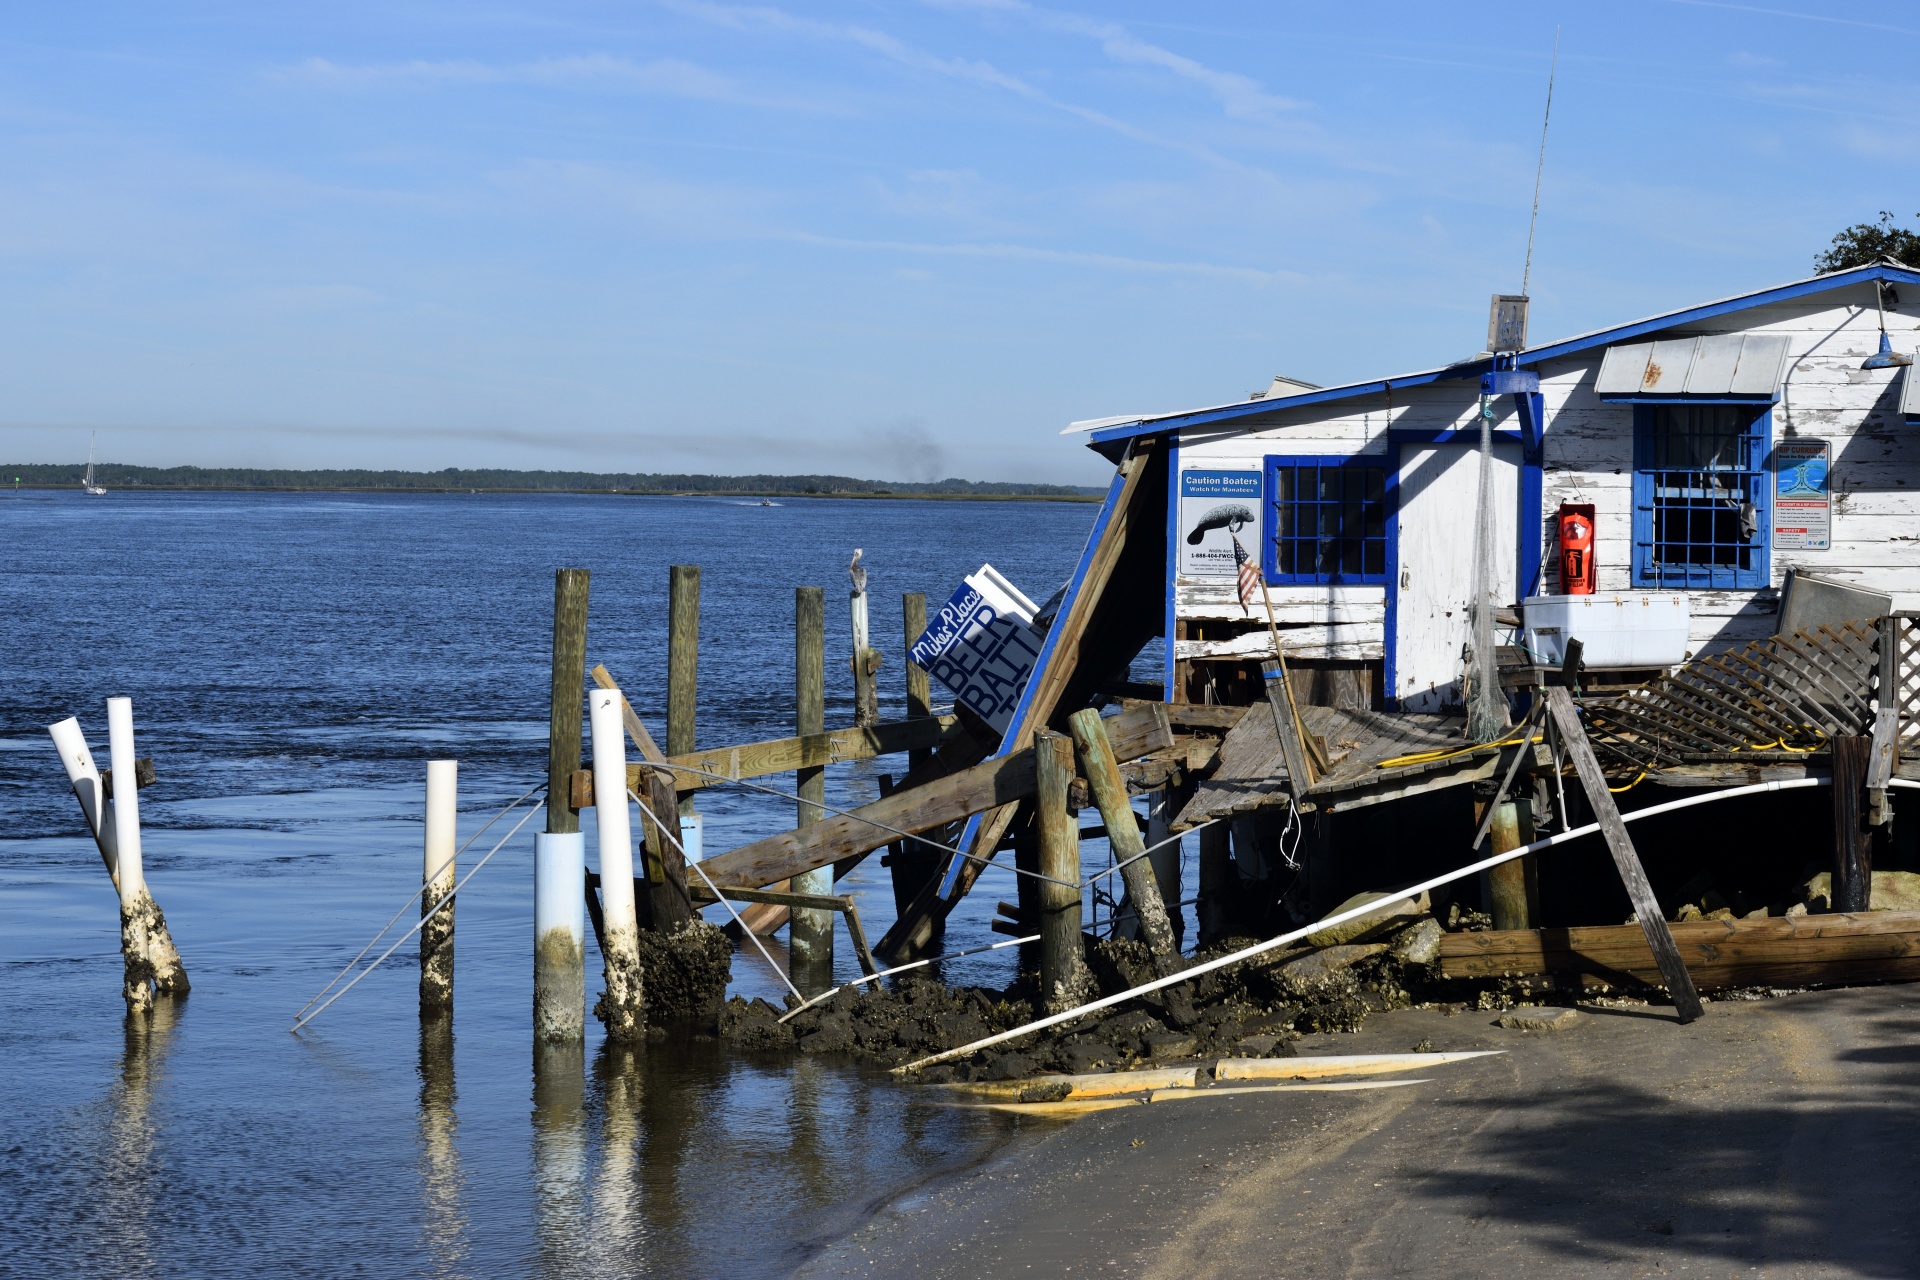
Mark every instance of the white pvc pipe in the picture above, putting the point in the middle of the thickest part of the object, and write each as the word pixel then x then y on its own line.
pixel 559 935
pixel 443 819
pixel 1412 891
pixel 71 743
pixel 610 811
pixel 126 804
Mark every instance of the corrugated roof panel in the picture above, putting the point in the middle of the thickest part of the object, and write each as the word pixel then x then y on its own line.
pixel 1622 369
pixel 1763 360
pixel 1714 361
pixel 1667 367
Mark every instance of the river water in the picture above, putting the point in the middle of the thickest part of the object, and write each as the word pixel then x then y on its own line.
pixel 293 662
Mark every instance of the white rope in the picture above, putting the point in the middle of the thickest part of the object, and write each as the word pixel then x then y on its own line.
pixel 695 864
pixel 416 894
pixel 299 1022
pixel 902 968
pixel 1412 891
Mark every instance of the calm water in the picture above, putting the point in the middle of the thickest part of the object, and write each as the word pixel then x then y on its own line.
pixel 294 661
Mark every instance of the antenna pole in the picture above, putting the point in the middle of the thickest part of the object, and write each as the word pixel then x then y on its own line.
pixel 1526 276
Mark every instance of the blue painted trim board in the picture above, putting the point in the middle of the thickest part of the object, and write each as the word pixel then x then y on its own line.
pixel 1173 561
pixel 1389 647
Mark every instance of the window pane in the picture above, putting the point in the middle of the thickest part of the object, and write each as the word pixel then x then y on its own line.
pixel 1376 559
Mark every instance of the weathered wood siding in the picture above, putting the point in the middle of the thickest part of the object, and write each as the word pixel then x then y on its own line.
pixel 1875 475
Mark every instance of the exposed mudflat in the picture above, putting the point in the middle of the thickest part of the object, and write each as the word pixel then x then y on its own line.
pixel 1773 1137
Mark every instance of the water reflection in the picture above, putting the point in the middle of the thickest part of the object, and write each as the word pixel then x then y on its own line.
pixel 133 1182
pixel 559 1155
pixel 443 1212
pixel 619 1224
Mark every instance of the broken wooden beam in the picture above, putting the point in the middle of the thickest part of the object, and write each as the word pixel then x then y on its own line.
pixel 1875 946
pixel 1573 739
pixel 786 755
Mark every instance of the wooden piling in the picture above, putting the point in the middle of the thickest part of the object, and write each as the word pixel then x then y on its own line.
pixel 912 863
pixel 1109 792
pixel 569 678
pixel 683 661
pixel 1218 880
pixel 1852 837
pixel 436 879
pixel 1064 980
pixel 811 935
pixel 623 1007
pixel 1507 883
pixel 866 659
pixel 1162 805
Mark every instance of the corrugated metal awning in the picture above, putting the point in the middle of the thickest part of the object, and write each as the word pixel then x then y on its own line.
pixel 1745 365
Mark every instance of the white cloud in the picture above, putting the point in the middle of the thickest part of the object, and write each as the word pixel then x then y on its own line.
pixel 594 72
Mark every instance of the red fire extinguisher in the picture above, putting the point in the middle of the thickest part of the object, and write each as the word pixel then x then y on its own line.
pixel 1576 548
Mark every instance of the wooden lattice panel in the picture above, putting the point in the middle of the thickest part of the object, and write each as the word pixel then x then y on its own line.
pixel 1785 694
pixel 1907 677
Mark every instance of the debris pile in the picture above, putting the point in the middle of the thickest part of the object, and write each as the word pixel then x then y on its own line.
pixel 1252 1010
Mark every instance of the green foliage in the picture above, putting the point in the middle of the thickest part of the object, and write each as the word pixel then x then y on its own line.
pixel 1865 243
pixel 456 480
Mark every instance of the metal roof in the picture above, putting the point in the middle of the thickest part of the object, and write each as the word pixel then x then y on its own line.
pixel 1112 434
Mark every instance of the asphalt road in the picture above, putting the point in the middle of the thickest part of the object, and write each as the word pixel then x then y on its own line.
pixel 1776 1138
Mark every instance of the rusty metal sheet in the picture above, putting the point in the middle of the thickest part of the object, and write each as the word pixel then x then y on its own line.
pixel 1623 369
pixel 1667 366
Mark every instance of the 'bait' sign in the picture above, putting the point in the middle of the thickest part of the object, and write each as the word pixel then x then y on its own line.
pixel 982 645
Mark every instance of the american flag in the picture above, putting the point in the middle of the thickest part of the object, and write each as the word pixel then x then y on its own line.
pixel 1249 574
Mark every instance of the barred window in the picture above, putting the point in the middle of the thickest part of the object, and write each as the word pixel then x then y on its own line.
pixel 1702 502
pixel 1326 520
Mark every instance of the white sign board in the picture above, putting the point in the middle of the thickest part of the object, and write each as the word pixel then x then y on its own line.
pixel 1215 506
pixel 1801 511
pixel 982 646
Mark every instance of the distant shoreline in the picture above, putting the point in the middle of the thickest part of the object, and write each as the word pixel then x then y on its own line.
pixel 477 491
pixel 123 477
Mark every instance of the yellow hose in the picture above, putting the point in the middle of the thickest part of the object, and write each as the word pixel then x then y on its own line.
pixel 1427 757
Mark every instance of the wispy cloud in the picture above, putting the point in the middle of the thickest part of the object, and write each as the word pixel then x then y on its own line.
pixel 594 72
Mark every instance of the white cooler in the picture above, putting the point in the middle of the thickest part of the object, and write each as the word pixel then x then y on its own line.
pixel 1621 629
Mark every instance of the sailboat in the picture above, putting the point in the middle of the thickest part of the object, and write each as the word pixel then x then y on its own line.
pixel 95 489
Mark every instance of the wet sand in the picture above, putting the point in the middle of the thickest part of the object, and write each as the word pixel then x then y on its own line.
pixel 1772 1138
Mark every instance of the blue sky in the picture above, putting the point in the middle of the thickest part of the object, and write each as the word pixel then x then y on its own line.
pixel 885 239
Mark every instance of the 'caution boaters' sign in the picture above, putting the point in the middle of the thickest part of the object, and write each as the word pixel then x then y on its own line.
pixel 1801 511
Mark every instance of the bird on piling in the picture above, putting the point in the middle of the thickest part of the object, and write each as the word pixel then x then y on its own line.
pixel 858 573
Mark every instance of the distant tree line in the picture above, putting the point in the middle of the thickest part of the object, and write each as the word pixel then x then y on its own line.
pixel 455 479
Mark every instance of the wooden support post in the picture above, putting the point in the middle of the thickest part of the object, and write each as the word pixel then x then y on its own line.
pixel 569 676
pixel 1508 881
pixel 1852 850
pixel 1162 805
pixel 1109 792
pixel 623 1007
pixel 1026 859
pixel 811 937
pixel 436 879
pixel 683 661
pixel 866 659
pixel 912 863
pixel 1064 980
pixel 1218 880
pixel 1573 739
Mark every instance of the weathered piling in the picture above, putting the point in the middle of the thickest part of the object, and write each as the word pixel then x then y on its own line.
pixel 569 677
pixel 866 659
pixel 683 680
pixel 1511 888
pixel 623 1005
pixel 137 910
pixel 1218 881
pixel 911 862
pixel 1109 792
pixel 436 871
pixel 1165 858
pixel 811 936
pixel 559 937
pixel 1064 980
pixel 169 975
pixel 1852 837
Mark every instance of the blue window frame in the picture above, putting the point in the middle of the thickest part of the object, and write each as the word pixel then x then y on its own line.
pixel 1326 520
pixel 1702 498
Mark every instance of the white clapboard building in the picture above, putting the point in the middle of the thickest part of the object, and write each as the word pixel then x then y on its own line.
pixel 1720 447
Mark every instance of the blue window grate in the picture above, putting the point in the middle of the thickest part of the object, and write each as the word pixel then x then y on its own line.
pixel 1326 520
pixel 1702 502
